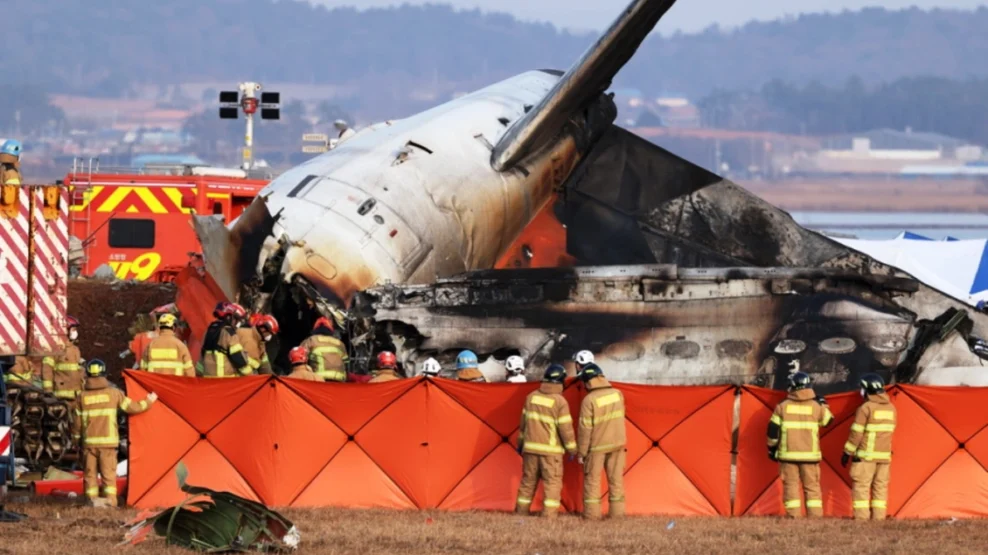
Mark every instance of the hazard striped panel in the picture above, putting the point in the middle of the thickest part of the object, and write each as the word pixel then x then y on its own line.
pixel 49 275
pixel 14 278
pixel 5 440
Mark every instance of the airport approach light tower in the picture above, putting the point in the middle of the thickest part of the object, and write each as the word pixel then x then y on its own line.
pixel 231 102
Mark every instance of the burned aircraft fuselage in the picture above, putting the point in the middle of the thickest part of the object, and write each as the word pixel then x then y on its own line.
pixel 655 324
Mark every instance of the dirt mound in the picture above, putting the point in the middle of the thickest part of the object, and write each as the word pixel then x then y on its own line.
pixel 106 310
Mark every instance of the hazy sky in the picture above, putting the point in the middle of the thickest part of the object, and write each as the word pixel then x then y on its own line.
pixel 688 15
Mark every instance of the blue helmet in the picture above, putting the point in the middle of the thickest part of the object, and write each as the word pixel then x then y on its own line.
pixel 11 147
pixel 465 360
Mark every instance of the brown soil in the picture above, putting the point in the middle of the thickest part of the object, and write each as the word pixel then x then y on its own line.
pixel 56 528
pixel 106 310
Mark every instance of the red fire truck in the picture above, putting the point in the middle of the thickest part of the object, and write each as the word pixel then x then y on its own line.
pixel 138 221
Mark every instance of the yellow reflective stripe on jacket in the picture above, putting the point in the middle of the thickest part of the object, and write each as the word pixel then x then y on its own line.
pixel 800 426
pixel 47 384
pixel 90 413
pixel 857 428
pixel 176 366
pixel 67 367
pixel 95 399
pixel 565 419
pixel 545 418
pixel 776 419
pixel 253 363
pixel 879 428
pixel 850 448
pixel 50 361
pixel 65 393
pixel 164 353
pixel 803 410
pixel 332 375
pixel 609 399
pixel 125 404
pixel 544 448
pixel 236 348
pixel 543 401
pixel 605 447
pixel 589 422
pixel 883 415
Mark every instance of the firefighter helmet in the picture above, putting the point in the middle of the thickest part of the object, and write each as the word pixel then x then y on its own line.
pixel 298 355
pixel 265 321
pixel 167 321
pixel 466 360
pixel 71 322
pixel 12 148
pixel 589 372
pixel 873 384
pixel 800 380
pixel 515 365
pixel 431 367
pixel 323 322
pixel 221 309
pixel 555 373
pixel 237 311
pixel 96 368
pixel 584 358
pixel 387 359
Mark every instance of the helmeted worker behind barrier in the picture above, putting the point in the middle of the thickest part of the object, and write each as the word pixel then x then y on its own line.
pixel 546 432
pixel 95 428
pixel 267 326
pixel 431 368
pixel 10 178
pixel 385 368
pixel 21 373
pixel 249 336
pixel 166 353
pixel 222 354
pixel 327 353
pixel 62 374
pixel 601 442
pixel 794 441
pixel 870 447
pixel 515 366
pixel 468 368
pixel 299 359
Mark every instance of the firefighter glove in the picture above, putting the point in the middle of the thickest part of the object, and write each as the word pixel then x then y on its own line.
pixel 821 400
pixel 152 397
pixel 844 459
pixel 521 448
pixel 773 454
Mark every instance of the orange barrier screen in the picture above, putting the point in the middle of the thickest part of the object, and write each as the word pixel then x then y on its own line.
pixel 421 443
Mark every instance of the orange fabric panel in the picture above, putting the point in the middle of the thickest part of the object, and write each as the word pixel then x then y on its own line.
pixel 150 460
pixel 658 409
pixel 756 473
pixel 960 410
pixel 700 445
pixel 351 479
pixel 202 402
pixel 278 442
pixel 491 486
pixel 197 296
pixel 978 447
pixel 836 492
pixel 655 485
pixel 207 467
pixel 499 405
pixel 959 488
pixel 352 405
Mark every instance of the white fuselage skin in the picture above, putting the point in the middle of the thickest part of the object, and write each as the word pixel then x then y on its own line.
pixel 424 215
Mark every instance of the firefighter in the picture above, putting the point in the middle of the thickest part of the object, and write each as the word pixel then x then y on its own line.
pixel 546 432
pixel 299 359
pixel 516 369
pixel 431 368
pixel 166 353
pixel 386 369
pixel 582 359
pixel 327 354
pixel 62 374
pixel 267 326
pixel 870 447
pixel 601 442
pixel 21 373
pixel 794 441
pixel 467 368
pixel 10 163
pixel 222 354
pixel 250 338
pixel 95 426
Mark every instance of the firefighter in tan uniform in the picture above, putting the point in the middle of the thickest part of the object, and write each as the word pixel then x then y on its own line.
pixel 870 447
pixel 96 428
pixel 386 369
pixel 166 353
pixel 21 373
pixel 222 354
pixel 10 178
pixel 253 344
pixel 546 432
pixel 62 375
pixel 327 354
pixel 601 442
pixel 299 359
pixel 794 441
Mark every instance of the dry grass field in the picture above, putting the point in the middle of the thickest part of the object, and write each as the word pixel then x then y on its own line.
pixel 73 530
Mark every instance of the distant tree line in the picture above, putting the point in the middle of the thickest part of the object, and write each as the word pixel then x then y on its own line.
pixel 27 111
pixel 955 108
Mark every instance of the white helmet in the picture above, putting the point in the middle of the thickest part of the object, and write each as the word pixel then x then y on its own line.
pixel 515 365
pixel 431 367
pixel 584 358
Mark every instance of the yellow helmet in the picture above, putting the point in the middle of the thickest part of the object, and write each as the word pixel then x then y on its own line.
pixel 167 321
pixel 96 368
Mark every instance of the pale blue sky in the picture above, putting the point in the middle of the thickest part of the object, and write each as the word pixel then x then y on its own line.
pixel 688 15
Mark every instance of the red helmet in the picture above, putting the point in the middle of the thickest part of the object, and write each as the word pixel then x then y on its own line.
pixel 386 359
pixel 298 355
pixel 237 311
pixel 71 322
pixel 262 321
pixel 324 322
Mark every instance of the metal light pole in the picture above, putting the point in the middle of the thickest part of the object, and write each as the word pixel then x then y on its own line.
pixel 231 102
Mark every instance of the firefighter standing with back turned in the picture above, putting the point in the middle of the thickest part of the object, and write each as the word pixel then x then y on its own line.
pixel 386 369
pixel 166 353
pixel 250 339
pixel 546 432
pixel 299 359
pixel 327 354
pixel 794 441
pixel 222 354
pixel 601 442
pixel 62 374
pixel 95 427
pixel 870 447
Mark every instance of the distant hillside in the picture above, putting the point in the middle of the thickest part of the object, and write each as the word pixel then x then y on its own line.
pixel 79 46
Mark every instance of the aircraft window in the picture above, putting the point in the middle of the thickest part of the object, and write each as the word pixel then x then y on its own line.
pixel 131 234
pixel 504 121
pixel 837 345
pixel 366 207
pixel 790 347
pixel 681 349
pixel 733 348
pixel 378 219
